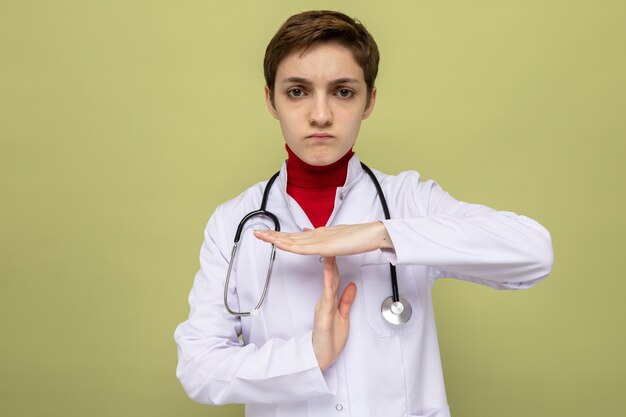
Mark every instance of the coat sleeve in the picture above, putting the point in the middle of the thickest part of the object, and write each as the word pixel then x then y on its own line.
pixel 216 367
pixel 469 241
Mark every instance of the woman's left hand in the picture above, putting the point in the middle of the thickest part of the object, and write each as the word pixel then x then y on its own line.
pixel 338 240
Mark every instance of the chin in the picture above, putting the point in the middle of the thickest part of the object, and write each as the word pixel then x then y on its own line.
pixel 321 161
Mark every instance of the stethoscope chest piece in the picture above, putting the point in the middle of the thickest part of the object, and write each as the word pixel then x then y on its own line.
pixel 398 312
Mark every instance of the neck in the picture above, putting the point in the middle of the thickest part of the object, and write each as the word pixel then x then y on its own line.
pixel 314 187
pixel 303 175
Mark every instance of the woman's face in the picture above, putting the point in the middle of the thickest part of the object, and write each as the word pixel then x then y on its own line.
pixel 320 99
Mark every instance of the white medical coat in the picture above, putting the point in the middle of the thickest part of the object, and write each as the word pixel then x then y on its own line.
pixel 268 363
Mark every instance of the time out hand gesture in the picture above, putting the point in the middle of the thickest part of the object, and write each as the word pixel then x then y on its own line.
pixel 331 323
pixel 341 240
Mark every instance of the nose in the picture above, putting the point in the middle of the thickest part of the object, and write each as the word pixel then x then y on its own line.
pixel 321 114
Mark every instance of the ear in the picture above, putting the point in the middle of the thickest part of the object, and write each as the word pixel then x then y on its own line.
pixel 268 102
pixel 370 106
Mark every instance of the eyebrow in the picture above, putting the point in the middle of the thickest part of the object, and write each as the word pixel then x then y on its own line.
pixel 304 81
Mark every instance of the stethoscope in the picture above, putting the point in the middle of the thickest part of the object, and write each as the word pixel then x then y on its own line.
pixel 395 309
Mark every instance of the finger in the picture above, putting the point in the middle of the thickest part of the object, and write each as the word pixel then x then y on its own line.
pixel 285 239
pixel 296 248
pixel 347 298
pixel 335 269
pixel 302 243
pixel 321 234
pixel 278 239
pixel 267 235
pixel 329 294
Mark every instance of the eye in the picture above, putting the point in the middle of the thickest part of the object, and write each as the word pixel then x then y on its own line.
pixel 295 92
pixel 345 93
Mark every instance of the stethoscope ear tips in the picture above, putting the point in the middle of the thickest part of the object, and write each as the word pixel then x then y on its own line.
pixel 398 312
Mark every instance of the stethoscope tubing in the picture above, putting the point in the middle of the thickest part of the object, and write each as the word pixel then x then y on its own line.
pixel 389 306
pixel 395 295
pixel 260 212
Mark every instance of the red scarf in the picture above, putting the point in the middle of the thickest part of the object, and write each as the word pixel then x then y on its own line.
pixel 314 187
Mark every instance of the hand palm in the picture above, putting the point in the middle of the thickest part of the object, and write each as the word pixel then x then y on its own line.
pixel 332 316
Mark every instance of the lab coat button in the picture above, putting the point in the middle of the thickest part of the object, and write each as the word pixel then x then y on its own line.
pixel 341 195
pixel 339 407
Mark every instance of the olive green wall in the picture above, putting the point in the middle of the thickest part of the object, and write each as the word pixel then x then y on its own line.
pixel 124 123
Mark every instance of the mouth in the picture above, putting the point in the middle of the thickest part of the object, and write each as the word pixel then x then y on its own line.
pixel 320 136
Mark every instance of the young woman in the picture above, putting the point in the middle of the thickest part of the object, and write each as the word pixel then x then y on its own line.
pixel 331 334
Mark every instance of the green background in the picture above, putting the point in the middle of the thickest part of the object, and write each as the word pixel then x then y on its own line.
pixel 124 123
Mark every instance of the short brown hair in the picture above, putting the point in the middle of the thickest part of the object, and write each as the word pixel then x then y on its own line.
pixel 303 30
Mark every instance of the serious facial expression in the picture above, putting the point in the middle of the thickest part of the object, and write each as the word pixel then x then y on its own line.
pixel 320 99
